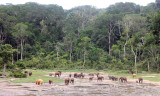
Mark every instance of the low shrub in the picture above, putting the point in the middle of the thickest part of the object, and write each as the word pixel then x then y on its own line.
pixel 123 71
pixel 20 64
pixel 18 74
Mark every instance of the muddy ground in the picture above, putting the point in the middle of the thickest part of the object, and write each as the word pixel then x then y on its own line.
pixel 81 87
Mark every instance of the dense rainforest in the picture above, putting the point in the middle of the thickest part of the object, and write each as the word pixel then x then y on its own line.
pixel 122 36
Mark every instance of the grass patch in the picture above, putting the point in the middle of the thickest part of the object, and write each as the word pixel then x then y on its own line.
pixel 81 70
pixel 37 74
pixel 155 79
pixel 144 75
pixel 3 79
pixel 32 79
pixel 40 74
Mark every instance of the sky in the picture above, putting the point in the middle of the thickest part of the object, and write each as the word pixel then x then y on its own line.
pixel 68 4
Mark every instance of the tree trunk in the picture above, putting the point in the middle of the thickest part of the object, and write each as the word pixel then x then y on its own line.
pixel 157 61
pixel 148 67
pixel 125 49
pixel 84 58
pixel 78 32
pixel 77 54
pixel 127 36
pixel 12 58
pixel 57 49
pixel 57 56
pixel 70 56
pixel 83 24
pixel 119 28
pixel 109 39
pixel 0 33
pixel 154 58
pixel 111 28
pixel 57 53
pixel 71 52
pixel 21 49
pixel 17 52
pixel 135 58
pixel 135 61
pixel 119 54
pixel 4 70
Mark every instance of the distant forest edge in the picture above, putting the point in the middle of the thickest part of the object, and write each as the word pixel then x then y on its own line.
pixel 121 37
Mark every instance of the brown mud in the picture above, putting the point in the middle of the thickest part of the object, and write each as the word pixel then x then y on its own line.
pixel 81 87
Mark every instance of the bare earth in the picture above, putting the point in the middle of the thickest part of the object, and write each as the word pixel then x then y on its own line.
pixel 82 87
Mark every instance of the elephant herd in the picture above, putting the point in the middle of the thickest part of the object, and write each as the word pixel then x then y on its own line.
pixel 70 78
pixel 124 79
pixel 27 72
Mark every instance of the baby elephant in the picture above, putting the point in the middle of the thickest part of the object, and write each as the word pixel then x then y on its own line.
pixel 140 80
pixel 75 75
pixel 91 78
pixel 69 80
pixel 50 81
pixel 70 75
pixel 60 72
pixel 30 73
pixel 25 72
pixel 72 80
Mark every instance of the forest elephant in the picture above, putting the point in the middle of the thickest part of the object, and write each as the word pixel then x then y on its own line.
pixel 57 74
pixel 75 75
pixel 130 71
pixel 67 81
pixel 50 81
pixel 30 73
pixel 91 78
pixel 72 80
pixel 25 72
pixel 60 72
pixel 39 82
pixel 134 75
pixel 100 78
pixel 140 80
pixel 51 74
pixel 123 79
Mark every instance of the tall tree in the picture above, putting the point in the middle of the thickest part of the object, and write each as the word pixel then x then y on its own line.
pixel 84 44
pixel 106 30
pixel 20 34
pixel 6 52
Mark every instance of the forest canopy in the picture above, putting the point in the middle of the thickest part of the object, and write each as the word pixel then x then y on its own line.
pixel 121 37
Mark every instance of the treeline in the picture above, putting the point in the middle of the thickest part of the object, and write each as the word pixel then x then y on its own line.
pixel 121 37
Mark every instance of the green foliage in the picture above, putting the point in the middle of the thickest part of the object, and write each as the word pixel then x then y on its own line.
pixel 50 37
pixel 1 62
pixel 116 65
pixel 20 64
pixel 39 63
pixel 115 49
pixel 127 8
pixel 6 52
pixel 18 74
